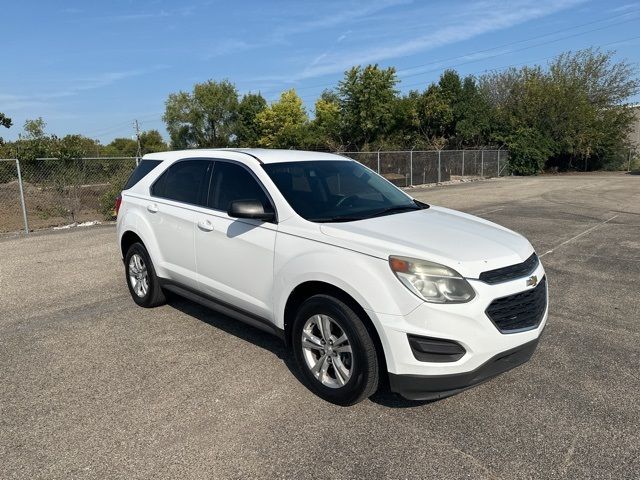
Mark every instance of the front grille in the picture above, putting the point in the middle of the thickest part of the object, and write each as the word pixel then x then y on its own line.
pixel 505 274
pixel 521 311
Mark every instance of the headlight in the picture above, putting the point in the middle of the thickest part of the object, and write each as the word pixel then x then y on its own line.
pixel 431 281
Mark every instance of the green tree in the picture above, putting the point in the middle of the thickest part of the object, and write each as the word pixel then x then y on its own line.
pixel 573 113
pixel 151 141
pixel 34 142
pixel 248 129
pixel 473 116
pixel 593 120
pixel 283 123
pixel 327 124
pixel 405 128
pixel 34 129
pixel 6 170
pixel 450 89
pixel 435 116
pixel 75 146
pixel 121 147
pixel 4 122
pixel 204 118
pixel 68 175
pixel 367 98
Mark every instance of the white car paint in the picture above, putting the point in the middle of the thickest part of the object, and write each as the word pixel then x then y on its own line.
pixel 256 266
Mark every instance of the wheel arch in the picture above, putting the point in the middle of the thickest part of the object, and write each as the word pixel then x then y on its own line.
pixel 129 238
pixel 308 289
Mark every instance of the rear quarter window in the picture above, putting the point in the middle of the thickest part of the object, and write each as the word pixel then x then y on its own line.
pixel 141 171
pixel 184 181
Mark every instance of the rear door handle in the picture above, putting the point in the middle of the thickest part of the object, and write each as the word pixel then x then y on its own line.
pixel 152 207
pixel 205 225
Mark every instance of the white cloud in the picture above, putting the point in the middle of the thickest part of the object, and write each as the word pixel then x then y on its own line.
pixel 228 47
pixel 625 8
pixel 74 87
pixel 472 21
pixel 340 17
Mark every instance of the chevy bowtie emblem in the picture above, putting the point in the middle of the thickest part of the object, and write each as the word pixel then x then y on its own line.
pixel 532 281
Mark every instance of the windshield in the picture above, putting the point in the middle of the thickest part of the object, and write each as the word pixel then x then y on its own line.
pixel 337 191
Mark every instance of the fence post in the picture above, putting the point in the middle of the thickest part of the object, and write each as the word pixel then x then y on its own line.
pixel 24 207
pixel 629 161
pixel 499 161
pixel 378 161
pixel 439 164
pixel 411 167
pixel 482 162
pixel 462 175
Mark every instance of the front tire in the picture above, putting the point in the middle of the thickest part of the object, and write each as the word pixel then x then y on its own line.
pixel 143 283
pixel 334 351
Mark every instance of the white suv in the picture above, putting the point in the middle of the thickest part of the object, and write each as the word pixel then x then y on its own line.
pixel 358 278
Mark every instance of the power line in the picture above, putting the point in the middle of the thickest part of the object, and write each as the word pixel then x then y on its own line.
pixel 537 37
pixel 530 61
pixel 633 12
pixel 517 49
pixel 497 69
pixel 121 126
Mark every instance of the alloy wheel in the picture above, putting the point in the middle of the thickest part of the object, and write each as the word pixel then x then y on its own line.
pixel 138 275
pixel 327 351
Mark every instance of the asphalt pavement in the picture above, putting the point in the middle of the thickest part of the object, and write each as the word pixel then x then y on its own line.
pixel 92 386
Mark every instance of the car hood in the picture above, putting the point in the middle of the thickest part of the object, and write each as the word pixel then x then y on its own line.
pixel 468 244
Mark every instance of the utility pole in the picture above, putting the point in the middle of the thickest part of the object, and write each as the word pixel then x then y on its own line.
pixel 139 150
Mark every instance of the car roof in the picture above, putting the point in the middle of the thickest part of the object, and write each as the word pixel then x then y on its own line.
pixel 262 155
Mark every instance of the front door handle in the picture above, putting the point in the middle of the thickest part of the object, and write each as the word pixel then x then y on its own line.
pixel 152 207
pixel 205 225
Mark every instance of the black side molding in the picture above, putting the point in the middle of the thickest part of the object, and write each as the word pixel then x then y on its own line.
pixel 222 307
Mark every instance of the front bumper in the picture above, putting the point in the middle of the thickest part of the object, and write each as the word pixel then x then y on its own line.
pixel 421 387
pixel 486 350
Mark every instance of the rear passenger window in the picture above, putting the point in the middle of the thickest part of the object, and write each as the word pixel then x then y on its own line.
pixel 183 182
pixel 231 182
pixel 141 171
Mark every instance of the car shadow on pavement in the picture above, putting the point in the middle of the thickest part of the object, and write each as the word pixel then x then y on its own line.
pixel 387 398
pixel 273 344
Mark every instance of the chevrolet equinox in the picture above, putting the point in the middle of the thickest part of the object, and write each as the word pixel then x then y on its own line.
pixel 361 281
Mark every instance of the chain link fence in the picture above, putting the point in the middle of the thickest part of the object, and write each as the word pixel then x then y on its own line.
pixel 407 168
pixel 53 192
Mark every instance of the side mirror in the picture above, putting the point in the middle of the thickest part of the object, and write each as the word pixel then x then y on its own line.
pixel 250 209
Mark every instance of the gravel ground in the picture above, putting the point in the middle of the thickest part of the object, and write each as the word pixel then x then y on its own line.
pixel 92 386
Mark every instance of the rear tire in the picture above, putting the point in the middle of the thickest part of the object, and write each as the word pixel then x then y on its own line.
pixel 143 283
pixel 334 351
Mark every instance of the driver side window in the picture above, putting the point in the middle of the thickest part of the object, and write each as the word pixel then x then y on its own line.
pixel 231 182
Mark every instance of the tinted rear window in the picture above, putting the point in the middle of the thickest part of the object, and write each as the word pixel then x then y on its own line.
pixel 183 182
pixel 141 171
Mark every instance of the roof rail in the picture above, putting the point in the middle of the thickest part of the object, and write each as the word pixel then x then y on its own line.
pixel 246 153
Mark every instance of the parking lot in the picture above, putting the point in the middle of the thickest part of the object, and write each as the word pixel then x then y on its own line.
pixel 92 386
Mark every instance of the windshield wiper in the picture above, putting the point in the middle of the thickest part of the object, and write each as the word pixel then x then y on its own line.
pixel 335 219
pixel 397 208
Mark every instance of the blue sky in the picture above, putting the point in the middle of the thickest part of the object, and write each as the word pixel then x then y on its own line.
pixel 92 67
